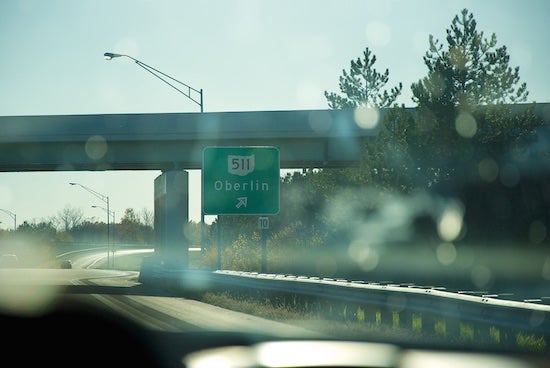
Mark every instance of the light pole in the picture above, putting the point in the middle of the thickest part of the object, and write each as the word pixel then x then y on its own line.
pixel 156 72
pixel 112 213
pixel 13 216
pixel 105 199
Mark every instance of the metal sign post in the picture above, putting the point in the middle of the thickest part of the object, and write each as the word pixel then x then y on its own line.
pixel 263 225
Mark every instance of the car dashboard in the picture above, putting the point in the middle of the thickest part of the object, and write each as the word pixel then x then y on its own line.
pixel 74 334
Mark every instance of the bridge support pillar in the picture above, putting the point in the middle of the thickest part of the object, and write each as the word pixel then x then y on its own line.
pixel 171 217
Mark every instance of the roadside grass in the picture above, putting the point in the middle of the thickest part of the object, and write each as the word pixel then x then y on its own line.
pixel 358 329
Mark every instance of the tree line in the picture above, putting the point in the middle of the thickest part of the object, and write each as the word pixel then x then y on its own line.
pixel 70 225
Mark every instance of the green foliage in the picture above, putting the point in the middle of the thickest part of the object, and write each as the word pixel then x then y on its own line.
pixel 462 114
pixel 132 230
pixel 363 86
pixel 91 231
pixel 471 70
pixel 130 216
pixel 209 261
pixel 530 342
pixel 243 254
pixel 31 242
pixel 303 195
pixel 192 231
pixel 387 162
pixel 42 232
pixel 294 249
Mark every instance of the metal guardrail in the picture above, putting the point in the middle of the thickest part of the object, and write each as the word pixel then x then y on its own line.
pixel 371 302
pixel 530 314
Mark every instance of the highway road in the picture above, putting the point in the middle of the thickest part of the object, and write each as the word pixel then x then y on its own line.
pixel 98 317
pixel 95 258
pixel 30 291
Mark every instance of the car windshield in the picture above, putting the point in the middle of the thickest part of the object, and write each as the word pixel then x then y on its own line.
pixel 276 183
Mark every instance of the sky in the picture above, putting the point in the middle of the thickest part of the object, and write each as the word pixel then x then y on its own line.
pixel 245 56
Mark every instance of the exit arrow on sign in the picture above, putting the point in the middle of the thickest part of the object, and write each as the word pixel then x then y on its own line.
pixel 241 180
pixel 242 202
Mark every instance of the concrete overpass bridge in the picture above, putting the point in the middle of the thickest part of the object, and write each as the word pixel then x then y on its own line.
pixel 174 143
pixel 308 138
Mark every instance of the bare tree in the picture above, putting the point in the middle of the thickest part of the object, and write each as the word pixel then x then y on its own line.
pixel 147 217
pixel 68 218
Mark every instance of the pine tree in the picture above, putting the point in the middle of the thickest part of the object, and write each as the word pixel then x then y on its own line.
pixel 384 157
pixel 363 86
pixel 464 103
pixel 469 71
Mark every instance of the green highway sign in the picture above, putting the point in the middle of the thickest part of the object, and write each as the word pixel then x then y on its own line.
pixel 240 180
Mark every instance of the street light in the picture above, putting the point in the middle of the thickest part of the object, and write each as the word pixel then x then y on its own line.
pixel 112 213
pixel 150 69
pixel 156 72
pixel 13 216
pixel 105 199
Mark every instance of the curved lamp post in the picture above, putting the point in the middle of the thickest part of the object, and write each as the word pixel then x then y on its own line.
pixel 105 199
pixel 156 72
pixel 13 216
pixel 112 213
